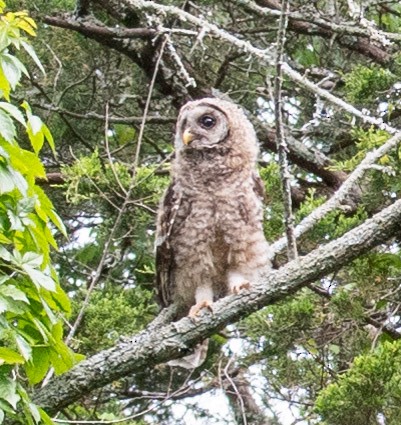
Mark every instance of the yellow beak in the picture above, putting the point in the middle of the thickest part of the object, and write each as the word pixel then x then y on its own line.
pixel 187 137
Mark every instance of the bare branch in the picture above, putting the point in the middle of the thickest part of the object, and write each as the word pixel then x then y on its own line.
pixel 280 137
pixel 111 119
pixel 346 190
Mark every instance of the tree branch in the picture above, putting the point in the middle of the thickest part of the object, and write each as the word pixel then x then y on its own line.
pixel 151 347
pixel 346 190
pixel 281 142
pixel 92 28
pixel 154 119
pixel 343 34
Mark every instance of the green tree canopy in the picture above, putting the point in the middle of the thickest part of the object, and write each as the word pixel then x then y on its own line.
pixel 318 340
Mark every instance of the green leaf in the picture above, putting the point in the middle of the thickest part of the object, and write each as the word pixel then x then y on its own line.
pixel 39 278
pixel 9 356
pixel 11 179
pixel 34 412
pixel 62 300
pixel 45 418
pixel 35 123
pixel 7 183
pixel 62 359
pixel 31 52
pixel 5 255
pixel 8 305
pixel 8 391
pixel 36 138
pixel 49 137
pixel 11 72
pixel 12 68
pixel 24 348
pixel 46 209
pixel 4 38
pixel 32 259
pixel 13 111
pixel 14 293
pixel 39 364
pixel 49 312
pixel 7 128
pixel 4 86
pixel 25 161
pixel 15 221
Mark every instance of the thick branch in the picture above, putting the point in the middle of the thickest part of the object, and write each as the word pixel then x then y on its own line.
pixel 309 159
pixel 161 344
pixel 346 190
pixel 344 35
pixel 154 119
pixel 96 29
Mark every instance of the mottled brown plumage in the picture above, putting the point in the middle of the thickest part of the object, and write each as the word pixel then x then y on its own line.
pixel 210 239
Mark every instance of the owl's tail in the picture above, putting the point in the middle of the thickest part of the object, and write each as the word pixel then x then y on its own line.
pixel 193 360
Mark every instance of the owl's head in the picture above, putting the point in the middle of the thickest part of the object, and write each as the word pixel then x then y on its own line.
pixel 210 123
pixel 201 124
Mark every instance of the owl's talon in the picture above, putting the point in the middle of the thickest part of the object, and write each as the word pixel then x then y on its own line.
pixel 195 309
pixel 237 288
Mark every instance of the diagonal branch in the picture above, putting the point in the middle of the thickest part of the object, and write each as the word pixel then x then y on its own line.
pixel 166 342
pixel 344 34
pixel 346 190
pixel 264 55
pixel 93 28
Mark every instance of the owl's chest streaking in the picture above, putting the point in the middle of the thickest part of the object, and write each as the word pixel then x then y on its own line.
pixel 219 171
pixel 218 207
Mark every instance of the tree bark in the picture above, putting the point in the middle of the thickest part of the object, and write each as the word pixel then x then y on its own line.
pixel 165 342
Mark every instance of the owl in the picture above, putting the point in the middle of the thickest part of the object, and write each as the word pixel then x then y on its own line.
pixel 209 239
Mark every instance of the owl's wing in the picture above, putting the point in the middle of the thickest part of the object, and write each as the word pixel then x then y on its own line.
pixel 164 252
pixel 259 186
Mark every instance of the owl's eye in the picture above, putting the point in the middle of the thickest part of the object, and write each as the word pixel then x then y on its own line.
pixel 206 121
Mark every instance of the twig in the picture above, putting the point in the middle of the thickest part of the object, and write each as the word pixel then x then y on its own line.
pixel 333 26
pixel 282 147
pixel 237 393
pixel 189 81
pixel 106 141
pixel 112 119
pixel 314 88
pixel 122 210
pixel 263 55
pixel 345 190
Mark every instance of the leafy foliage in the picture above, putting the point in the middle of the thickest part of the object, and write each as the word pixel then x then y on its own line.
pixel 369 389
pixel 364 83
pixel 32 302
pixel 315 350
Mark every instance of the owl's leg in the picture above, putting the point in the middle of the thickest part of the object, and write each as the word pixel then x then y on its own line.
pixel 238 280
pixel 203 298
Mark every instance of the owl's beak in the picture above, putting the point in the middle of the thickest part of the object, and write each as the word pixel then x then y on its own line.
pixel 187 137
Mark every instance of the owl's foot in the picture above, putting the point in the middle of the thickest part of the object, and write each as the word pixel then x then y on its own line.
pixel 238 287
pixel 195 309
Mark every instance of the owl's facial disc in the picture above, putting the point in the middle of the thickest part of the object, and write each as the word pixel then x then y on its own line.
pixel 204 126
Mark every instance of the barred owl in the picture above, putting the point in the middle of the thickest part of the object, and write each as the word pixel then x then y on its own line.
pixel 210 240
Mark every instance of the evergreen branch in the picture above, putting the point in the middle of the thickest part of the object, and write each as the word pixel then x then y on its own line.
pixel 346 190
pixel 264 55
pixel 151 347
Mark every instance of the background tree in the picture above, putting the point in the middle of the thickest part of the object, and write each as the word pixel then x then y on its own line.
pixel 321 329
